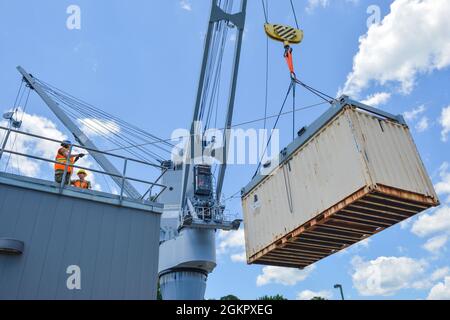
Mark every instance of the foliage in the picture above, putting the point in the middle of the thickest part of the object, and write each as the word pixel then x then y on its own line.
pixel 275 297
pixel 229 297
pixel 158 293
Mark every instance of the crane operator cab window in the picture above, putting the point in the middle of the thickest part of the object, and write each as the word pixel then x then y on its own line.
pixel 203 180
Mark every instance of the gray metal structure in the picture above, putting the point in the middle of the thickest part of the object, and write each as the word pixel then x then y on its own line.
pixel 190 220
pixel 114 243
pixel 47 228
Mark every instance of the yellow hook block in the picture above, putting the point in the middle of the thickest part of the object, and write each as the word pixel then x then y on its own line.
pixel 286 34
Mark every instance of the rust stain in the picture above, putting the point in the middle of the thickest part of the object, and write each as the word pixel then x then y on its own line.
pixel 277 252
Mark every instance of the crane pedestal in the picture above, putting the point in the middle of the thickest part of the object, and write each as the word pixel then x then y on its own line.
pixel 185 262
pixel 183 285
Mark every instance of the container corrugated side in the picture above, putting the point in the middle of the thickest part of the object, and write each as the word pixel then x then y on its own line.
pixel 315 185
pixel 391 154
pixel 353 154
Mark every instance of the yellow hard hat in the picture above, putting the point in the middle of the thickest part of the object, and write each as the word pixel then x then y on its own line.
pixel 82 171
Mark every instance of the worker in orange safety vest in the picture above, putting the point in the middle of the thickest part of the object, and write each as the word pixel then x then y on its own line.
pixel 61 159
pixel 81 183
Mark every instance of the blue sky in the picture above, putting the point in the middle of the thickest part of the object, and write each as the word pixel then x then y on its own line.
pixel 120 61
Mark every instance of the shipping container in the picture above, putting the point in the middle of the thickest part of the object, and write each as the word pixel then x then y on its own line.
pixel 352 173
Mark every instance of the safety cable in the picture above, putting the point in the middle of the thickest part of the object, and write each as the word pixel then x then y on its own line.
pixel 213 72
pixel 99 114
pixel 266 98
pixel 217 76
pixel 241 123
pixel 87 114
pixel 21 119
pixel 111 129
pixel 274 126
pixel 295 15
pixel 318 93
pixel 266 14
pixel 15 104
pixel 112 138
pixel 210 65
pixel 18 94
pixel 102 134
pixel 233 196
pixel 91 107
pixel 293 112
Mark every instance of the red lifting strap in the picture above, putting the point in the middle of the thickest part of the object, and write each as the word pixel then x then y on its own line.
pixel 289 60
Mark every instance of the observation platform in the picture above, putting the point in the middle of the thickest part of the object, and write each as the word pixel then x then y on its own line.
pixel 46 233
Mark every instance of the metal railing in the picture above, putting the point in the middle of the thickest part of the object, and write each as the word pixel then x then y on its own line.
pixel 123 177
pixel 216 217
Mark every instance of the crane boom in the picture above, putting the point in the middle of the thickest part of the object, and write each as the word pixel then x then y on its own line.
pixel 79 135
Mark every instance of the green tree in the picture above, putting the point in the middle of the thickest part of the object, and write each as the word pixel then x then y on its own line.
pixel 229 297
pixel 318 298
pixel 275 297
pixel 158 293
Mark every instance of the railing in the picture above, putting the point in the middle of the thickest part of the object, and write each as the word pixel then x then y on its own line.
pixel 123 177
pixel 215 217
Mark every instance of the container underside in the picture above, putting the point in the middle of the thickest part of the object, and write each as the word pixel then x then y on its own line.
pixel 365 213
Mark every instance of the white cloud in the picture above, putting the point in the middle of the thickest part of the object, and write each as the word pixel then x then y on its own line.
pixel 400 48
pixel 231 240
pixel 385 275
pixel 377 99
pixel 440 291
pixel 186 5
pixel 232 243
pixel 308 294
pixel 440 273
pixel 238 257
pixel 406 223
pixel 283 276
pixel 435 244
pixel 443 186
pixel 436 221
pixel 33 146
pixel 445 122
pixel 428 281
pixel 414 113
pixel 432 223
pixel 401 249
pixel 422 125
pixel 313 4
pixel 363 244
pixel 96 127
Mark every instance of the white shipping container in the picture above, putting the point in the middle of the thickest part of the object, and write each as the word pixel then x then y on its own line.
pixel 351 174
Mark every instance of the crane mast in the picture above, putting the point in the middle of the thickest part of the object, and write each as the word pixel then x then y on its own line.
pixel 193 211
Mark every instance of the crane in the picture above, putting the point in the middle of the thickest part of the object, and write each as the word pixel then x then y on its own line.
pixel 193 210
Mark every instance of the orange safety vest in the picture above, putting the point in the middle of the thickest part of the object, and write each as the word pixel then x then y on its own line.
pixel 81 184
pixel 61 165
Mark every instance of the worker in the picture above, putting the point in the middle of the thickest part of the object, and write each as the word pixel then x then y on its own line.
pixel 61 159
pixel 81 183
